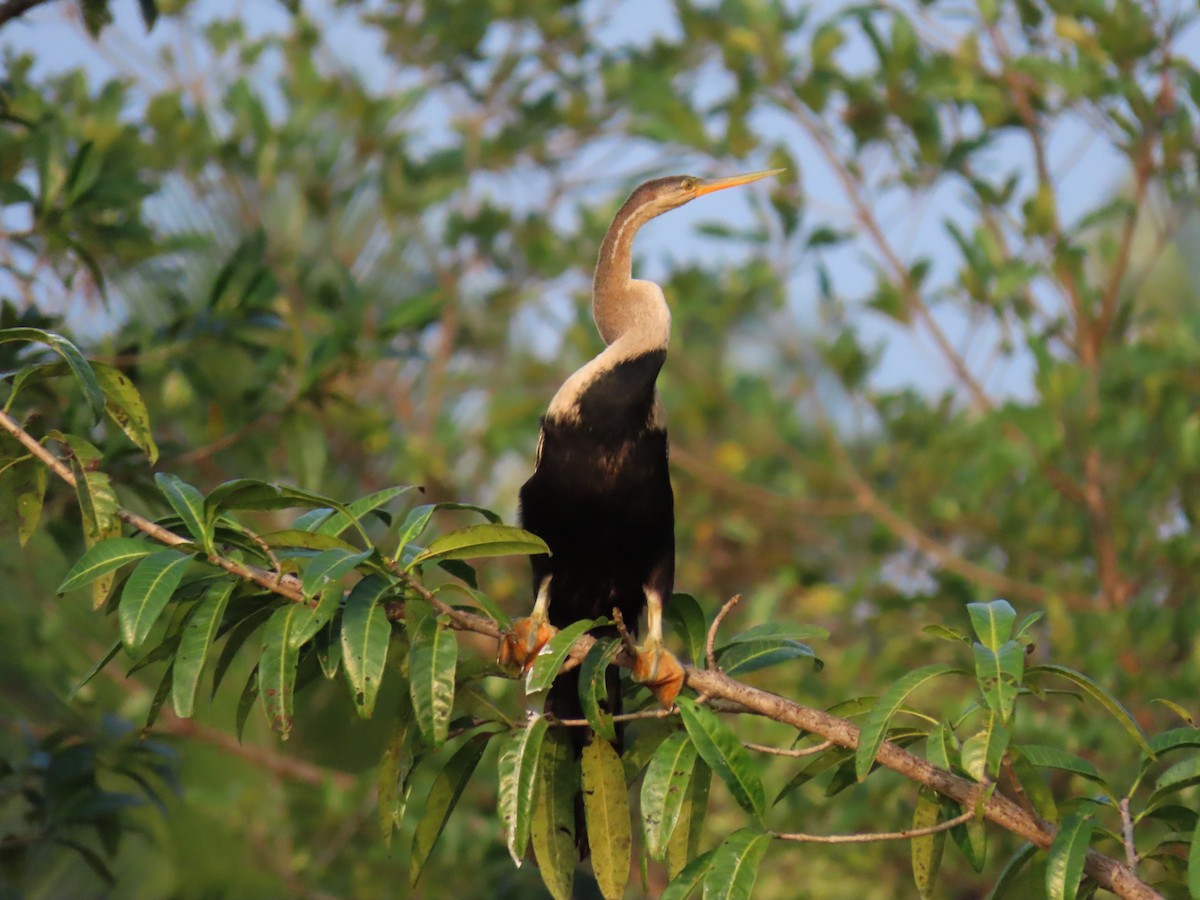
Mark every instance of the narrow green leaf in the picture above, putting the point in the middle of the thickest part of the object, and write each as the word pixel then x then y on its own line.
pixel 327 567
pixel 1193 878
pixel 749 656
pixel 413 526
pixel 983 751
pixel 161 693
pixel 105 557
pixel 195 643
pixel 250 493
pixel 1046 757
pixel 1183 774
pixel 1034 785
pixel 238 634
pixel 312 619
pixel 443 795
pixel 277 670
pixel 734 867
pixel 606 810
pixel 877 722
pixel 684 843
pixel 125 406
pixel 593 688
pixel 553 655
pixel 687 619
pixel 30 493
pixel 147 593
pixel 993 622
pixel 686 880
pixel 329 649
pixel 80 367
pixel 490 607
pixel 1008 875
pixel 927 849
pixel 336 523
pixel 1026 623
pixel 664 790
pixel 481 540
pixel 307 540
pixel 95 668
pixel 366 633
pixel 246 703
pixel 946 633
pixel 1110 703
pixel 1064 867
pixel 552 824
pixel 518 765
pixel 188 504
pixel 999 675
pixel 779 631
pixel 394 768
pixel 432 660
pixel 1174 707
pixel 720 748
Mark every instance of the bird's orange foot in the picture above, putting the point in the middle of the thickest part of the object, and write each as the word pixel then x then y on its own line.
pixel 659 670
pixel 520 645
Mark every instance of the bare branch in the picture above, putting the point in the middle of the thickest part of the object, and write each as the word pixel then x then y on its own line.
pixel 709 652
pixel 783 751
pixel 875 836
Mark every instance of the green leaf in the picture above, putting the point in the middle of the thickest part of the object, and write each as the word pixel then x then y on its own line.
pixel 999 674
pixel 1119 712
pixel 30 491
pixel 147 593
pixel 1046 757
pixel 246 703
pixel 1064 867
pixel 983 751
pixel 440 802
pixel 338 522
pixel 366 633
pixel 328 567
pixel 518 765
pixel 553 655
pixel 250 493
pixel 1011 870
pixel 552 824
pixel 779 631
pixel 195 643
pixel 432 660
pixel 277 669
pixel 720 748
pixel 489 606
pixel 686 880
pixel 749 656
pixel 687 619
pixel 1034 785
pixel 875 727
pixel 685 839
pixel 1175 708
pixel 188 504
pixel 413 526
pixel 292 537
pixel 1193 878
pixel 394 768
pixel 664 790
pixel 313 618
pixel 734 867
pixel 1183 774
pixel 105 557
pixel 125 406
pixel 593 688
pixel 993 622
pixel 95 668
pixel 946 633
pixel 481 540
pixel 79 366
pixel 927 849
pixel 606 810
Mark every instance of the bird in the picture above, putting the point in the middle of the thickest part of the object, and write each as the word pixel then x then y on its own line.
pixel 600 493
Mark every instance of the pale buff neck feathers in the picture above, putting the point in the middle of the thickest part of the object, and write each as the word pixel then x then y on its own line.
pixel 631 315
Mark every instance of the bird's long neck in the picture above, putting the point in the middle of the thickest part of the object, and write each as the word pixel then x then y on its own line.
pixel 632 318
pixel 620 304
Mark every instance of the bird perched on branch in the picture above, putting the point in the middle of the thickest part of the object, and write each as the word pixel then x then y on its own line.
pixel 600 494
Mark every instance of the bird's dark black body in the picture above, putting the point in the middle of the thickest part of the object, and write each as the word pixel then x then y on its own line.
pixel 600 497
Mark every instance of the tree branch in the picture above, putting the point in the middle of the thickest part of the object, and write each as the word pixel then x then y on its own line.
pixel 10 9
pixel 876 836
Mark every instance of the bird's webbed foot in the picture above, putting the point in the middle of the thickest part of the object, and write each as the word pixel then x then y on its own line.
pixel 520 645
pixel 658 669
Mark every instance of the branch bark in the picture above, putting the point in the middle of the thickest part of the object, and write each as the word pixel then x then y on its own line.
pixel 11 9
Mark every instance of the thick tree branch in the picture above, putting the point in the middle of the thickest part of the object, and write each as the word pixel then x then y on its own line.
pixel 10 9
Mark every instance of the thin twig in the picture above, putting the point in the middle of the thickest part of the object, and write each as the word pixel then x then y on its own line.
pixel 1131 857
pixel 782 751
pixel 875 836
pixel 622 717
pixel 709 653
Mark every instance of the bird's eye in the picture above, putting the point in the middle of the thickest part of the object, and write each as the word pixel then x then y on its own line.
pixel 687 184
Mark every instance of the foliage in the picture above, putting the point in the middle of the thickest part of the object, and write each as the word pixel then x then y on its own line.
pixel 293 286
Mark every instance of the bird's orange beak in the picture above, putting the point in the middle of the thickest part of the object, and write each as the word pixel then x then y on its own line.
pixel 719 184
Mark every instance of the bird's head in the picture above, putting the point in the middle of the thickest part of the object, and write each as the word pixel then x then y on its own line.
pixel 662 194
